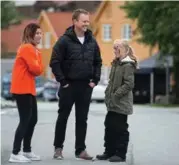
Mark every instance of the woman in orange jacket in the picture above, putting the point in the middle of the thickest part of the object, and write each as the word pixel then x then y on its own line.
pixel 28 65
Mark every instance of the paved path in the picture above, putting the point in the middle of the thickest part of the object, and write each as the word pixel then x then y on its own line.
pixel 154 135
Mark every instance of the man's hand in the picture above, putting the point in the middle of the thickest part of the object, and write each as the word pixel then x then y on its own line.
pixel 92 84
pixel 67 85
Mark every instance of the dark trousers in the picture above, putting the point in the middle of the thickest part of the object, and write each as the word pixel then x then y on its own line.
pixel 80 94
pixel 27 108
pixel 116 134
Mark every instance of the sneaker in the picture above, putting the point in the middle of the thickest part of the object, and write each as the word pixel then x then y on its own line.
pixel 31 156
pixel 104 156
pixel 18 159
pixel 116 158
pixel 84 156
pixel 58 154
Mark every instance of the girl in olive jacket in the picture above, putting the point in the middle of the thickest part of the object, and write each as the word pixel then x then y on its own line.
pixel 119 103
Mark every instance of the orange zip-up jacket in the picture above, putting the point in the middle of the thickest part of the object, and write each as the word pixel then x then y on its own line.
pixel 28 65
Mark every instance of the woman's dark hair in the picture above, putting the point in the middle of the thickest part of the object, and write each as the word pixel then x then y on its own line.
pixel 29 33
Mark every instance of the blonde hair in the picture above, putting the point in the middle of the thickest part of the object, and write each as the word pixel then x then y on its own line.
pixel 128 48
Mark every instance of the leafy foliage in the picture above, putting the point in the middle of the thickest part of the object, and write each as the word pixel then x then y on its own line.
pixel 9 14
pixel 158 24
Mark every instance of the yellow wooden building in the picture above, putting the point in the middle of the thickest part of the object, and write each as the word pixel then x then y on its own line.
pixel 108 23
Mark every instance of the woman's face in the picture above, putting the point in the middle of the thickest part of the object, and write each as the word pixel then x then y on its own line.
pixel 38 36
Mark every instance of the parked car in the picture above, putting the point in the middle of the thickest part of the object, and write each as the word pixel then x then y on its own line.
pixel 5 86
pixel 50 91
pixel 99 93
pixel 7 103
pixel 40 81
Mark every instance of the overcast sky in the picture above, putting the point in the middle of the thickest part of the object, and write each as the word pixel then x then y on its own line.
pixel 24 2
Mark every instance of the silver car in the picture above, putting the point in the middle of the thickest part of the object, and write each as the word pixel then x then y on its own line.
pixel 50 90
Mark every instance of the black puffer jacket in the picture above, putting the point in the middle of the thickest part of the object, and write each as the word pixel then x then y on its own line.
pixel 72 60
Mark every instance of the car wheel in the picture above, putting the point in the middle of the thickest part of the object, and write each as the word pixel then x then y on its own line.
pixel 99 101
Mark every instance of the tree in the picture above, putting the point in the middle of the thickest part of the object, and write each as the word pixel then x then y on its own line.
pixel 158 24
pixel 9 14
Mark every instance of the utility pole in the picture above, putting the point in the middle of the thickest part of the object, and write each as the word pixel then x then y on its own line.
pixel 167 70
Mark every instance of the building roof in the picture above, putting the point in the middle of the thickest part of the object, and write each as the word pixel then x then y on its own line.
pixel 11 37
pixel 97 15
pixel 60 21
pixel 156 62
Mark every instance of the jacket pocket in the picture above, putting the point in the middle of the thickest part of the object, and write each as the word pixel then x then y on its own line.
pixel 107 99
pixel 114 101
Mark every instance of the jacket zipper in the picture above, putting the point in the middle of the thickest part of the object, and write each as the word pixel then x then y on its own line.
pixel 82 51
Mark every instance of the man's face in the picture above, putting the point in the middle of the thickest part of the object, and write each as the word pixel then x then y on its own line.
pixel 82 23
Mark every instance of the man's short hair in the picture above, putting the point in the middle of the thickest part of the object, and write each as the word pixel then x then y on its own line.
pixel 77 13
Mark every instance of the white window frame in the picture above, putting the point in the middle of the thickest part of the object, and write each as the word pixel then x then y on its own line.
pixel 40 45
pixel 47 40
pixel 107 32
pixel 126 32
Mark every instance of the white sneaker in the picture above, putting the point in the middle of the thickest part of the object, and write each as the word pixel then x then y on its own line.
pixel 31 156
pixel 18 159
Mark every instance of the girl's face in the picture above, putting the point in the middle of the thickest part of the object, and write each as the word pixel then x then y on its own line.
pixel 119 50
pixel 38 36
pixel 116 49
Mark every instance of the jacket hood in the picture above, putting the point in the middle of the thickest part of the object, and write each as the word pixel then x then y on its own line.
pixel 127 59
pixel 71 33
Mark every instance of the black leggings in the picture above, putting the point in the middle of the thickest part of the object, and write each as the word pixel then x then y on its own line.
pixel 27 108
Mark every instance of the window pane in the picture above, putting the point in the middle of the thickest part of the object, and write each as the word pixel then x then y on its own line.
pixel 126 32
pixel 106 32
pixel 47 40
pixel 40 44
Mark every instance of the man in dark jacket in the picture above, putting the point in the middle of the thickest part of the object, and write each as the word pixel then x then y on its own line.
pixel 76 63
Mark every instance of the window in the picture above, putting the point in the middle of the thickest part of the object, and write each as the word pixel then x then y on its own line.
pixel 48 73
pixel 107 30
pixel 40 44
pixel 126 32
pixel 47 40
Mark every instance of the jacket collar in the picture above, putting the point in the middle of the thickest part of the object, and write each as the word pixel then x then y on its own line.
pixel 123 61
pixel 71 33
pixel 127 59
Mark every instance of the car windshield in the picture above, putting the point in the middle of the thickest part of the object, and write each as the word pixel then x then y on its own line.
pixel 6 85
pixel 51 90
